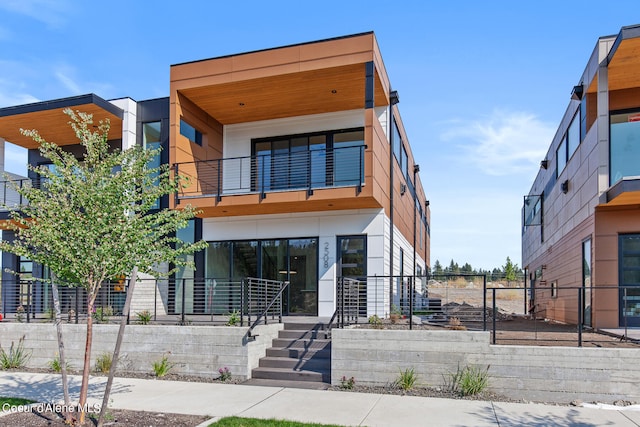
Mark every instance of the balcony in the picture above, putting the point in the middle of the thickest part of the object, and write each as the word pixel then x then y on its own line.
pixel 307 170
pixel 9 196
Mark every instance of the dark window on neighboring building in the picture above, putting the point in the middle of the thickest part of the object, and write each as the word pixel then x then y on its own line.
pixel 151 141
pixel 404 164
pixel 573 136
pixel 396 139
pixel 583 118
pixel 191 133
pixel 561 156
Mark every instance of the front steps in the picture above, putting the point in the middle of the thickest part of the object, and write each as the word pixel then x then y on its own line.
pixel 299 358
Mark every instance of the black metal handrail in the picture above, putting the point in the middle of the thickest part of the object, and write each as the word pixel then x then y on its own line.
pixel 277 297
pixel 263 173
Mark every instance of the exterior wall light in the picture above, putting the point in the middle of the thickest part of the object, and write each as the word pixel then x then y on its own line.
pixel 393 97
pixel 565 186
pixel 544 164
pixel 577 92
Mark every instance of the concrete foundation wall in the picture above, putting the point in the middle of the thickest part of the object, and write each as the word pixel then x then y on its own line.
pixel 195 350
pixel 559 374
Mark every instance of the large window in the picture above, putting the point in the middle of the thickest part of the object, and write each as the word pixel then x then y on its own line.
pixel 324 159
pixel 293 260
pixel 624 146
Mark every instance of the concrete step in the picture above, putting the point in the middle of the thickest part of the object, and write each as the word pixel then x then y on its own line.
pixel 310 385
pixel 308 344
pixel 290 375
pixel 312 364
pixel 297 353
pixel 301 334
pixel 304 326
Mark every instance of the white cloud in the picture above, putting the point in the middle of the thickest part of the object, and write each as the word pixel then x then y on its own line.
pixel 13 94
pixel 51 12
pixel 503 143
pixel 68 82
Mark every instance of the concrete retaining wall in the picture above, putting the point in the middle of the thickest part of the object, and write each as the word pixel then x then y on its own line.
pixel 560 374
pixel 195 350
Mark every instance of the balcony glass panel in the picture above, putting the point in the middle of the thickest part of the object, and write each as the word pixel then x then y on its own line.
pixel 347 169
pixel 624 146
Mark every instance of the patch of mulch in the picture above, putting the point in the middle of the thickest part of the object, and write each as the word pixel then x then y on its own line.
pixel 439 392
pixel 114 417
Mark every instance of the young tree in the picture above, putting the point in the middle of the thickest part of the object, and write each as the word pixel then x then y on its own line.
pixel 510 271
pixel 90 220
pixel 437 268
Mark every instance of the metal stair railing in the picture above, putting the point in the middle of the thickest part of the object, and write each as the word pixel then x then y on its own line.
pixel 266 295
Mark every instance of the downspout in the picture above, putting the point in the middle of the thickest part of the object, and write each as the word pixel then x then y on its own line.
pixel 391 174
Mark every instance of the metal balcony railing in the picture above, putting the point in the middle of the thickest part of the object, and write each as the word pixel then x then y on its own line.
pixel 301 170
pixel 9 196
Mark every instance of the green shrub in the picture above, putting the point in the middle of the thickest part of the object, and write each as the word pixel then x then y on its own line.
pixel 225 374
pixel 55 365
pixel 375 321
pixel 103 362
pixel 144 317
pixel 163 366
pixel 234 318
pixel 407 379
pixel 469 380
pixel 19 317
pixel 101 314
pixel 347 383
pixel 17 357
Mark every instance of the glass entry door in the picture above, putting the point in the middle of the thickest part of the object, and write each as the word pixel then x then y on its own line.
pixel 352 263
pixel 629 279
pixel 295 260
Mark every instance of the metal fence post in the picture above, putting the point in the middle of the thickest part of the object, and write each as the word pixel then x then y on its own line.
pixel 493 291
pixel 183 302
pixel 411 281
pixel 580 320
pixel 484 303
pixel 155 302
pixel 242 302
pixel 29 285
pixel 78 304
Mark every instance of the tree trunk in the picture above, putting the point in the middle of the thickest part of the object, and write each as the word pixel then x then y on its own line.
pixel 62 359
pixel 84 388
pixel 116 351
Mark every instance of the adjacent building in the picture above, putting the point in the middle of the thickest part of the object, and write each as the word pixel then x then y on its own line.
pixel 581 227
pixel 296 157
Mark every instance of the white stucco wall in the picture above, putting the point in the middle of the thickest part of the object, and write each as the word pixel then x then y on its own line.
pixel 324 225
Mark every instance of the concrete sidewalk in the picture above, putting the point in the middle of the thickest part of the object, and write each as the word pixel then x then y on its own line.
pixel 335 407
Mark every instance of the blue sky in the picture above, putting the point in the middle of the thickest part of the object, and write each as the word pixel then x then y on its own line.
pixel 482 85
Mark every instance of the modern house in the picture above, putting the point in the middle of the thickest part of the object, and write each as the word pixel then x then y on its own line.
pixel 581 228
pixel 297 159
